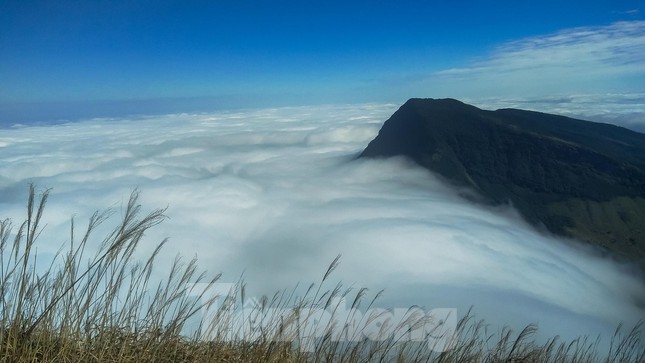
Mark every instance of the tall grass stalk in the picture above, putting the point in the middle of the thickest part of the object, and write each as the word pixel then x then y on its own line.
pixel 106 307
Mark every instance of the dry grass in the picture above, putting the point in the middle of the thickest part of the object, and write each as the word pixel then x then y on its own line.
pixel 106 308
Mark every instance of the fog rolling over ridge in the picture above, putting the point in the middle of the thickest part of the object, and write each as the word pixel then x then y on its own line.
pixel 276 194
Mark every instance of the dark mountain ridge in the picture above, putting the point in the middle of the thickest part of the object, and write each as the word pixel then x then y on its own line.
pixel 575 178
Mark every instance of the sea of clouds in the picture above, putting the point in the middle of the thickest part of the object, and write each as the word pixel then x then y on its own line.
pixel 277 194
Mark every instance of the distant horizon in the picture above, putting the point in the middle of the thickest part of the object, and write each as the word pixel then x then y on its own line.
pixel 608 108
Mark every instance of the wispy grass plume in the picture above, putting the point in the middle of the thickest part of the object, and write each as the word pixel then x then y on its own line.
pixel 106 307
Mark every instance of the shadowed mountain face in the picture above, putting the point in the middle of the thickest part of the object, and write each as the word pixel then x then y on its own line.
pixel 575 178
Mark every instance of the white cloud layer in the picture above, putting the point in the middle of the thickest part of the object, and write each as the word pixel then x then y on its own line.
pixel 276 193
pixel 578 60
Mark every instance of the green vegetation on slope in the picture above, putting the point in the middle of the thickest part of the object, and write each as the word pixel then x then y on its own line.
pixel 616 221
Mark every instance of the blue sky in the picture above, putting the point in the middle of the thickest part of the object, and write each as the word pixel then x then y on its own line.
pixel 67 57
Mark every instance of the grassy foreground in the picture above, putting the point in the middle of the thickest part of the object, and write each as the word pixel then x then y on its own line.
pixel 105 307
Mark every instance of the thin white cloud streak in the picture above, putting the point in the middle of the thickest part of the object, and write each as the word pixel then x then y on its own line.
pixel 585 59
pixel 276 193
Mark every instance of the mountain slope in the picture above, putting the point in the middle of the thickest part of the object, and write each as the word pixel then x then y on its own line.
pixel 575 178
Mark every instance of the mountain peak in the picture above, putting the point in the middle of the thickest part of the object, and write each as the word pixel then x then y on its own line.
pixel 572 177
pixel 439 103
